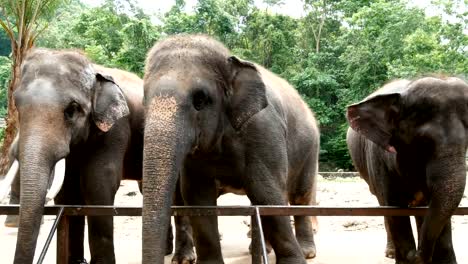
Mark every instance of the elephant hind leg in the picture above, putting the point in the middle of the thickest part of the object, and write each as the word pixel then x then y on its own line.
pixel 302 191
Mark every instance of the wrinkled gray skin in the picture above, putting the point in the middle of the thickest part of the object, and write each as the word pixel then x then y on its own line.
pixel 408 141
pixel 90 115
pixel 224 125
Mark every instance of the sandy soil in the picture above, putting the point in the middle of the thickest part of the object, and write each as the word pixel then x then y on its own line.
pixel 339 240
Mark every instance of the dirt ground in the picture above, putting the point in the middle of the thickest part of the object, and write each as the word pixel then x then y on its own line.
pixel 339 240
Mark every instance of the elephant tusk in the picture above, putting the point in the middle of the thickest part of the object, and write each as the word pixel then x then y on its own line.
pixel 59 176
pixel 8 180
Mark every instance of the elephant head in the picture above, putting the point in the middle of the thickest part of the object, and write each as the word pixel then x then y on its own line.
pixel 194 91
pixel 425 123
pixel 61 101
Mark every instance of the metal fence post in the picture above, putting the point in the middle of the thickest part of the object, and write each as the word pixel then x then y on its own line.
pixel 62 240
pixel 256 250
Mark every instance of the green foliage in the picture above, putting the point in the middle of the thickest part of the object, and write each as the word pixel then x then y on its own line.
pixel 335 55
pixel 5 72
pixel 5 45
pixel 109 34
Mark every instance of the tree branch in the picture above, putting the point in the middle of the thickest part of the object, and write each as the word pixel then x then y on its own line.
pixel 6 17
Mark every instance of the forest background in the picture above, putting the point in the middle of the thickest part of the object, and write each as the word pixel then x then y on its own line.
pixel 335 53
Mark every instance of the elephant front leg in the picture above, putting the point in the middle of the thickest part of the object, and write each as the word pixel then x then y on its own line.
pixel 390 247
pixel 99 188
pixel 198 190
pixel 446 178
pixel 399 228
pixel 184 241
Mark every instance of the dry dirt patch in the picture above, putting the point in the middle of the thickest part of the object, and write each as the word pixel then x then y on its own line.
pixel 340 239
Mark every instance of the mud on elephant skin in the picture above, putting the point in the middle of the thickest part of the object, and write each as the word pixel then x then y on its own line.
pixel 408 141
pixel 222 124
pixel 91 120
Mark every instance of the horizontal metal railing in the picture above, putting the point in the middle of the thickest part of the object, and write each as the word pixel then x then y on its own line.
pixel 258 243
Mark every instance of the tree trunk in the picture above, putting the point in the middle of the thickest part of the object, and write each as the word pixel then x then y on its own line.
pixel 12 118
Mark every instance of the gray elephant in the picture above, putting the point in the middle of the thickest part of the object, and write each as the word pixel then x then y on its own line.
pixel 408 141
pixel 88 120
pixel 223 125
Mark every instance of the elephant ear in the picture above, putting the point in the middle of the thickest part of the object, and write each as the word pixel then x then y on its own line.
pixel 109 104
pixel 374 118
pixel 248 92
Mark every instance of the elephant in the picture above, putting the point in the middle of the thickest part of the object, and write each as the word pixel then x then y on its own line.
pixel 88 122
pixel 219 124
pixel 408 141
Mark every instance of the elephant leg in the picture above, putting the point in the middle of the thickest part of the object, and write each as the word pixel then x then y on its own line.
pixel 199 190
pixel 443 250
pixel 70 194
pixel 99 188
pixel 390 248
pixel 13 220
pixel 402 235
pixel 278 229
pixel 302 191
pixel 265 179
pixel 268 246
pixel 184 241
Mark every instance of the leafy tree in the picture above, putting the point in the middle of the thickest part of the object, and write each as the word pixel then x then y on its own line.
pixel 275 49
pixel 111 34
pixel 23 21
pixel 5 72
pixel 177 21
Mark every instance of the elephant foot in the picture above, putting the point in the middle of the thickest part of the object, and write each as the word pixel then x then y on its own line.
pixel 184 254
pixel 414 257
pixel 188 258
pixel 390 251
pixel 78 261
pixel 308 249
pixel 268 246
pixel 290 260
pixel 12 221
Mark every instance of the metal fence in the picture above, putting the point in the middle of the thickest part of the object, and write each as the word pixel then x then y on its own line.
pixel 259 254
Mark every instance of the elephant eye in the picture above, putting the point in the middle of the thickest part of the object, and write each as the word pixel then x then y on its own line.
pixel 72 110
pixel 200 100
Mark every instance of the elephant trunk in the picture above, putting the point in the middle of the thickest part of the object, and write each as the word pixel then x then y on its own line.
pixel 37 156
pixel 166 144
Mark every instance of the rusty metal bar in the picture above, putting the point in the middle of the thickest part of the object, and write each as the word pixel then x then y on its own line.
pixel 71 210
pixel 62 240
pixel 50 236
pixel 350 211
pixel 262 237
